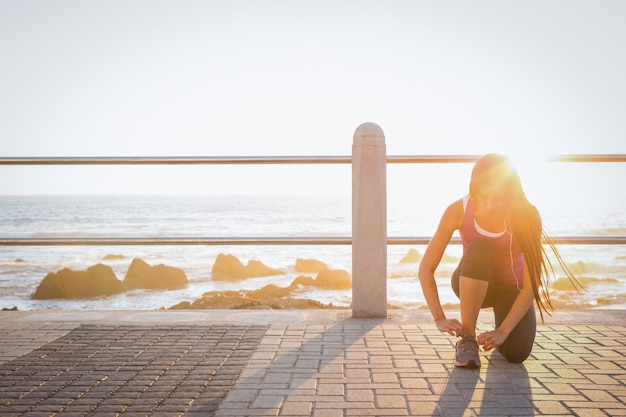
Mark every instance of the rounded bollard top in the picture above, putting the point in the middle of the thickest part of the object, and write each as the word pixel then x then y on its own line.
pixel 368 134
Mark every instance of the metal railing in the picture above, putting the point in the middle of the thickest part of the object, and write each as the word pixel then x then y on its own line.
pixel 272 160
pixel 277 160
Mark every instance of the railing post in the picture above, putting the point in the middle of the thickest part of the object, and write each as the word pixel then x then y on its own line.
pixel 369 222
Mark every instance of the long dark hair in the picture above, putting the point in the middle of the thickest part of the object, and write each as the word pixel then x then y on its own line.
pixel 525 224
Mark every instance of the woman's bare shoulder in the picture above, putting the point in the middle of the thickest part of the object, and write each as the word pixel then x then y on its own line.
pixel 453 216
pixel 457 207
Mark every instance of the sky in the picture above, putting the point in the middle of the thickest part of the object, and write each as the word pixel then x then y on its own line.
pixel 240 78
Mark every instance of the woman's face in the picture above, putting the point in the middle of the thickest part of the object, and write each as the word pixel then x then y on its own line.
pixel 493 200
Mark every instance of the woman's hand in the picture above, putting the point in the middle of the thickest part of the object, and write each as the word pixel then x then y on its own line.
pixel 491 340
pixel 450 326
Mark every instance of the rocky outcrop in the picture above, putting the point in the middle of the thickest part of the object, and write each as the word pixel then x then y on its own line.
pixel 258 269
pixel 268 297
pixel 310 265
pixel 113 257
pixel 140 275
pixel 330 279
pixel 97 281
pixel 230 268
pixel 100 280
pixel 231 300
pixel 272 296
pixel 411 257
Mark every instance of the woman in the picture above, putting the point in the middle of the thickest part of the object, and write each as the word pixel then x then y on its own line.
pixel 503 266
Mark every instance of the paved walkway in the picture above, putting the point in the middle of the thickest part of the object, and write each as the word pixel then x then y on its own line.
pixel 299 363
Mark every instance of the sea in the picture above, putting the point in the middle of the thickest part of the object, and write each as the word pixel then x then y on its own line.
pixel 600 268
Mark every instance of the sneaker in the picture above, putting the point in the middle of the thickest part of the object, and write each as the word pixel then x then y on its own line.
pixel 467 353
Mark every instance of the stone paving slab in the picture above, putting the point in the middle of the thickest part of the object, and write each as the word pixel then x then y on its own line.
pixel 379 368
pixel 322 364
pixel 130 370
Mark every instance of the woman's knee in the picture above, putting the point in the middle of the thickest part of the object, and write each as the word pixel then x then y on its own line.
pixel 519 344
pixel 515 354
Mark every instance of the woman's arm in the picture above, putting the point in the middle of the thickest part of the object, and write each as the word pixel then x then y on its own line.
pixel 450 221
pixel 522 303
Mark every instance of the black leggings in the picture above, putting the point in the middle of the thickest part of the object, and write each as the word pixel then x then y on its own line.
pixel 476 263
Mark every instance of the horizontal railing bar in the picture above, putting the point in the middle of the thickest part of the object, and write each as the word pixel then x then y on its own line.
pixel 588 158
pixel 139 241
pixel 177 160
pixel 437 159
pixel 278 160
pixel 227 241
pixel 431 159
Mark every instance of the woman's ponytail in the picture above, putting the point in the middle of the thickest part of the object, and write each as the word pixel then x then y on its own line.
pixel 528 231
pixel 525 224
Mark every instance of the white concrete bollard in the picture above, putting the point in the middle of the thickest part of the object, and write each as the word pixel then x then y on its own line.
pixel 369 222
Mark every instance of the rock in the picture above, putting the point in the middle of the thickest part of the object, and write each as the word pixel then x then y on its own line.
pixel 578 268
pixel 229 268
pixel 103 281
pixel 412 257
pixel 271 296
pixel 223 300
pixel 113 257
pixel 241 300
pixel 268 291
pixel 49 288
pixel 336 279
pixel 310 265
pixel 140 275
pixel 304 281
pixel 183 305
pixel 97 281
pixel 331 279
pixel 257 269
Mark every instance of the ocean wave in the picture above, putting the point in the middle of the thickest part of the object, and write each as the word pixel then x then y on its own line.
pixel 595 291
pixel 566 284
pixel 74 234
pixel 609 231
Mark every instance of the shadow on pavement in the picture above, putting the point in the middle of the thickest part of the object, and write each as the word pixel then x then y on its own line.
pixel 498 388
pixel 291 365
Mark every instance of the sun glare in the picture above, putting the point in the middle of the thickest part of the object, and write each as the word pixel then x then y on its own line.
pixel 532 169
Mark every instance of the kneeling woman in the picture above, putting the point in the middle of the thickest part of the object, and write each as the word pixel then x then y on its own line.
pixel 504 265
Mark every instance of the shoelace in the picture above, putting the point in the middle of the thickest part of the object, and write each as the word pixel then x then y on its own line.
pixel 468 344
